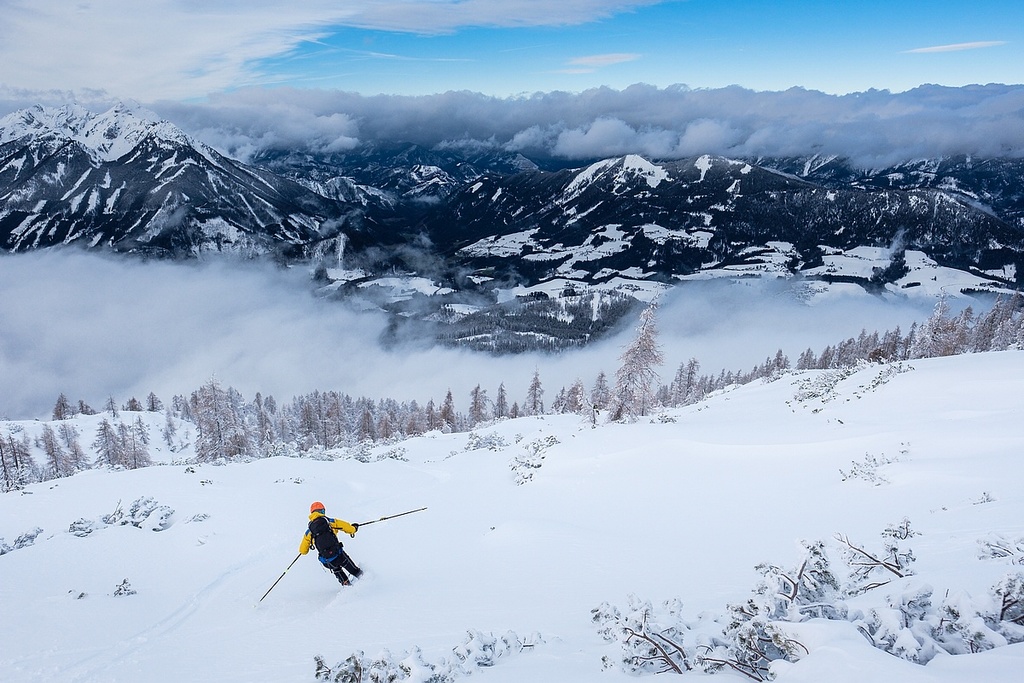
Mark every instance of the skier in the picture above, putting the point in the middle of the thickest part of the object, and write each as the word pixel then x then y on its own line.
pixel 322 534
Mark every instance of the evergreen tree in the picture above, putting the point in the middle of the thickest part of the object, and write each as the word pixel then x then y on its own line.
pixel 135 444
pixel 576 399
pixel 19 469
pixel 153 404
pixel 433 418
pixel 501 403
pixel 57 464
pixel 446 415
pixel 634 380
pixel 107 444
pixel 222 429
pixel 170 429
pixel 76 458
pixel 684 385
pixel 478 409
pixel 601 394
pixel 534 404
pixel 62 410
pixel 367 430
pixel 133 405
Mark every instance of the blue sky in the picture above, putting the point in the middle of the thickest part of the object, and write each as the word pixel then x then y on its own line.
pixel 835 47
pixel 190 49
pixel 574 79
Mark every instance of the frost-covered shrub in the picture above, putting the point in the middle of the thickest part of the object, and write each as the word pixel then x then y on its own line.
pixel 23 541
pixel 82 527
pixel 821 385
pixel 868 469
pixel 998 547
pixel 907 621
pixel 478 650
pixel 124 588
pixel 144 513
pixel 491 441
pixel 523 465
pixel 870 569
pixel 650 642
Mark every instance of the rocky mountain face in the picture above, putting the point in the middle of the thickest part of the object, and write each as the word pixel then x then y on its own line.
pixel 127 181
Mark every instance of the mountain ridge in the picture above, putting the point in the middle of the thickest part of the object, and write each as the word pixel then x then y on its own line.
pixel 486 226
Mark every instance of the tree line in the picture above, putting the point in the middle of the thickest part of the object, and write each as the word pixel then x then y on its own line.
pixel 228 427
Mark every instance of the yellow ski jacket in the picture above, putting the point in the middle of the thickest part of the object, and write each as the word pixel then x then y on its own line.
pixel 336 524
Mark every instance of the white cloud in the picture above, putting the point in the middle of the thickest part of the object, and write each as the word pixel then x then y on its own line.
pixel 178 49
pixel 605 59
pixel 958 47
pixel 874 128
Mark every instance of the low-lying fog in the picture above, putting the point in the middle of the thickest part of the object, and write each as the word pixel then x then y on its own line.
pixel 97 326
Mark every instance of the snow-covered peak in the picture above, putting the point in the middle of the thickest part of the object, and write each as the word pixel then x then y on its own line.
pixel 106 136
pixel 638 166
pixel 622 171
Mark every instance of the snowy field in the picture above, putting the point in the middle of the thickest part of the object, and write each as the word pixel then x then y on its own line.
pixel 532 524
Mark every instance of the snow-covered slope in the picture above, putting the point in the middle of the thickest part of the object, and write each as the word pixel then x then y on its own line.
pixel 531 524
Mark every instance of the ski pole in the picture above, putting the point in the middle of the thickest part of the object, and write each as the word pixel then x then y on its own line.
pixel 281 577
pixel 362 524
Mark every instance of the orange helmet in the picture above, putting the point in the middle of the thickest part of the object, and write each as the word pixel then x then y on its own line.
pixel 316 507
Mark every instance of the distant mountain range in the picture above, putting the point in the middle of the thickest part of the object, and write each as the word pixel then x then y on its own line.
pixel 477 222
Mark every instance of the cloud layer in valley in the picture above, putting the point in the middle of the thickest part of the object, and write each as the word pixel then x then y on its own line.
pixel 93 327
pixel 874 128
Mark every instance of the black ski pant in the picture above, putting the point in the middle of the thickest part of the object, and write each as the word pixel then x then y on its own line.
pixel 341 564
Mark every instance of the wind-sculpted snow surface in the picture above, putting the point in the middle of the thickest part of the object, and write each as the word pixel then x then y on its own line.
pixel 729 521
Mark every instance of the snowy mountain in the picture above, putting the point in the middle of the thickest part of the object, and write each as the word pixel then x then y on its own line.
pixel 125 180
pixel 668 221
pixel 551 550
pixel 515 254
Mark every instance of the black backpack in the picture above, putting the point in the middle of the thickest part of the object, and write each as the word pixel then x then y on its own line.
pixel 324 539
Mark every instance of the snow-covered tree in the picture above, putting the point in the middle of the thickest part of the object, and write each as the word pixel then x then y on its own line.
pixel 446 415
pixel 501 403
pixel 154 404
pixel 534 404
pixel 635 388
pixel 75 455
pixel 222 429
pixel 57 464
pixel 108 446
pixel 62 409
pixel 478 406
pixel 601 394
pixel 16 462
pixel 135 444
pixel 684 386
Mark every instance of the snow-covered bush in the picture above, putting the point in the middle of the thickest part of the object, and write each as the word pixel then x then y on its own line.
pixel 23 541
pixel 124 588
pixel 479 650
pixel 821 385
pixel 650 642
pixel 868 468
pixel 906 622
pixel 997 547
pixel 869 569
pixel 491 441
pixel 144 513
pixel 524 464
